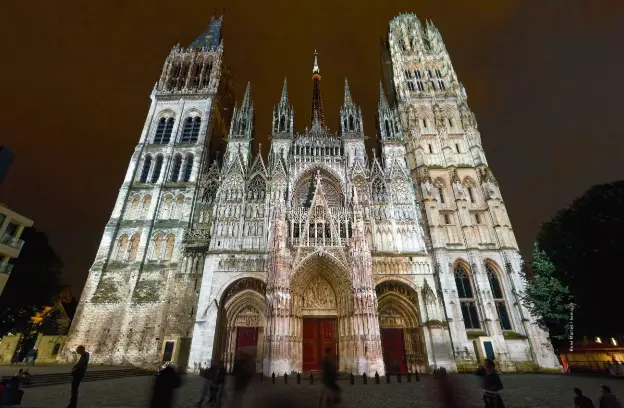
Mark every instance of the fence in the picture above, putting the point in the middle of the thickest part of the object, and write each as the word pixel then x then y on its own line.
pixel 376 379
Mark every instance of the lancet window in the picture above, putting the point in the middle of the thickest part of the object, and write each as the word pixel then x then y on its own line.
pixel 256 189
pixel 167 207
pixel 163 131
pixel 190 131
pixel 169 246
pixel 147 202
pixel 206 76
pixel 134 247
pixel 157 248
pixel 134 207
pixel 379 190
pixel 175 169
pixel 157 168
pixel 147 165
pixel 499 298
pixel 188 167
pixel 122 247
pixel 467 299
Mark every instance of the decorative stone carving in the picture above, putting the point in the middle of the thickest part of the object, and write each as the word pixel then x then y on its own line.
pixel 248 317
pixel 319 295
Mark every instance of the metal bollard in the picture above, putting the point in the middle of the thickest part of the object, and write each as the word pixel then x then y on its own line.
pixel 416 376
pixel 352 379
pixel 298 378
pixel 261 377
pixel 364 379
pixel 398 377
pixel 376 377
pixel 409 376
pixel 387 378
pixel 311 379
pixel 273 378
pixel 285 378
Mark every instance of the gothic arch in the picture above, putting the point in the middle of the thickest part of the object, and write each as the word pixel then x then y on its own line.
pixel 326 267
pixel 305 184
pixel 466 289
pixel 399 321
pixel 242 305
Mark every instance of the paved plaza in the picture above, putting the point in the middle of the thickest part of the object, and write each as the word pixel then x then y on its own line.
pixel 521 390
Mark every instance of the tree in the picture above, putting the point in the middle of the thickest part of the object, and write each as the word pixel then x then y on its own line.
pixel 585 243
pixel 34 283
pixel 547 298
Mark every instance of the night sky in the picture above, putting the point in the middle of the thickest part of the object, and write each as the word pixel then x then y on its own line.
pixel 544 78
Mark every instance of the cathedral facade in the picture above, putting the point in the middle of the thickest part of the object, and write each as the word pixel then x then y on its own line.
pixel 399 261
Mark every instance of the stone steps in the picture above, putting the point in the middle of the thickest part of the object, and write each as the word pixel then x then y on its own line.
pixel 43 380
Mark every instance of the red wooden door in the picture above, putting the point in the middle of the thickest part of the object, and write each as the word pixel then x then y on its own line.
pixel 247 340
pixel 318 335
pixel 393 347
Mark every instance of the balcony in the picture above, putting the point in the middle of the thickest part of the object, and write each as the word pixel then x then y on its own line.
pixel 6 269
pixel 10 240
pixel 318 242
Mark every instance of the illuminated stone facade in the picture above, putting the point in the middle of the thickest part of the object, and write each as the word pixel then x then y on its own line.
pixel 407 255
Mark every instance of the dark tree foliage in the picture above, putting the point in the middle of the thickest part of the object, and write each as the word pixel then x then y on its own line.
pixel 34 283
pixel 547 298
pixel 585 243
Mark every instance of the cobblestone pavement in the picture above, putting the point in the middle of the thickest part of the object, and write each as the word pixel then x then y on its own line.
pixel 521 391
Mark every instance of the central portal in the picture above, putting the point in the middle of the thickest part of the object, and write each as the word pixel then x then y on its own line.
pixel 318 334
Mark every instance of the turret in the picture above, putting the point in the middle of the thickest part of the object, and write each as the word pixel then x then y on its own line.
pixel 241 129
pixel 388 120
pixel 351 123
pixel 283 124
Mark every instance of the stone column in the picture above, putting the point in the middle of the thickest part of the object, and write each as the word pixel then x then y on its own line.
pixel 278 341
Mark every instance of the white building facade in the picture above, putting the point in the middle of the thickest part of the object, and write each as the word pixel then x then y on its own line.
pixel 398 262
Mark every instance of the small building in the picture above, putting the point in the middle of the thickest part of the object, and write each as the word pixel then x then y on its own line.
pixel 598 355
pixel 12 225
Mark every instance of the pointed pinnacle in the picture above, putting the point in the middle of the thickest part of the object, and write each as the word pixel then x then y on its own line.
pixel 382 97
pixel 315 69
pixel 247 98
pixel 284 98
pixel 347 94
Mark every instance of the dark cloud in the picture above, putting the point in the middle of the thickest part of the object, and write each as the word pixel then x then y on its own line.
pixel 544 79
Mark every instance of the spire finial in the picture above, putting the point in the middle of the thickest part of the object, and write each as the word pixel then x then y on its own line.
pixel 316 70
pixel 284 98
pixel 347 94
pixel 247 97
pixel 382 97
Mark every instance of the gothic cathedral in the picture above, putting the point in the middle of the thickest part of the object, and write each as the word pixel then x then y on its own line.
pixel 398 262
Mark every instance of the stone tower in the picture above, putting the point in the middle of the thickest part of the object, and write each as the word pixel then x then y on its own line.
pixel 473 245
pixel 141 289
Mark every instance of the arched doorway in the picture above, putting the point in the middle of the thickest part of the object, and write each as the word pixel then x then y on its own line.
pixel 241 322
pixel 401 335
pixel 322 300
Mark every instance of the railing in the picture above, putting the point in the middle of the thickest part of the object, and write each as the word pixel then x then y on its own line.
pixel 6 268
pixel 318 242
pixel 10 240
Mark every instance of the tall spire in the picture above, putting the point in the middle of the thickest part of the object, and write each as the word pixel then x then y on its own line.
pixel 315 69
pixel 347 94
pixel 317 103
pixel 383 103
pixel 211 37
pixel 247 98
pixel 284 98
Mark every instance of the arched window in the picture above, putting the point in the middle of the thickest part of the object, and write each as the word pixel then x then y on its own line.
pixel 147 203
pixel 179 207
pixel 167 207
pixel 157 249
pixel 441 194
pixel 175 169
pixel 499 298
pixel 122 247
pixel 134 207
pixel 169 247
pixel 188 167
pixel 134 247
pixel 163 131
pixel 190 132
pixel 147 164
pixel 282 125
pixel 470 194
pixel 351 123
pixel 157 168
pixel 466 298
pixel 387 124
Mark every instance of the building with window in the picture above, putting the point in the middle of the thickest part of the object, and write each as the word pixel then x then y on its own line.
pixel 11 226
pixel 402 261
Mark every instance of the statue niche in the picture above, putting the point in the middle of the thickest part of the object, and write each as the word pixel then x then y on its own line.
pixel 319 295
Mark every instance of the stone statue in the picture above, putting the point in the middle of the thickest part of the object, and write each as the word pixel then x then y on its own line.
pixel 427 188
